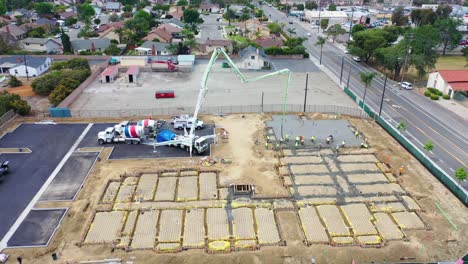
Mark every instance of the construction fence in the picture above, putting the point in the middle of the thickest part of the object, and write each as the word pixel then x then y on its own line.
pixel 220 110
pixel 447 180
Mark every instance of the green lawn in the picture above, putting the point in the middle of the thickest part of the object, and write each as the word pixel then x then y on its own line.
pixel 229 27
pixel 131 52
pixel 451 63
pixel 237 38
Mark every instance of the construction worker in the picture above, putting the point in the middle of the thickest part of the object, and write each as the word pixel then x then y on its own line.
pixel 364 145
pixel 296 144
pixel 281 140
pixel 343 143
pixel 312 138
pixel 287 138
pixel 277 146
pixel 266 145
pixel 297 140
pixel 401 170
pixel 301 138
pixel 268 139
pixel 356 133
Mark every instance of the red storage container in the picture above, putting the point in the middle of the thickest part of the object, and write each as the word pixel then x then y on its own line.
pixel 164 94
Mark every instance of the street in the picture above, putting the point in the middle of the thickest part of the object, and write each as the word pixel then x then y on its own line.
pixel 209 28
pixel 425 121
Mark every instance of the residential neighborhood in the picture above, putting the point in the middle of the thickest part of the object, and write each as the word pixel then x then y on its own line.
pixel 234 131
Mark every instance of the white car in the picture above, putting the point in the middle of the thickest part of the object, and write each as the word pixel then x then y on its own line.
pixel 356 58
pixel 308 34
pixel 406 85
pixel 346 51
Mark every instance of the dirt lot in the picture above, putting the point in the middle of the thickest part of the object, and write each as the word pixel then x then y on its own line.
pixel 39 104
pixel 254 165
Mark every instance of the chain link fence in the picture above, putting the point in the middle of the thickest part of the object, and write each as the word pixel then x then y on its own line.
pixel 7 117
pixel 219 110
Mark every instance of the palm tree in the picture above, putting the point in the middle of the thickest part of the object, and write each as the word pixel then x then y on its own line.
pixel 291 31
pixel 173 48
pixel 366 78
pixel 192 44
pixel 119 32
pixel 320 42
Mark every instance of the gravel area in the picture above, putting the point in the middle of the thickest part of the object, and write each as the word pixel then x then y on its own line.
pixel 208 190
pixel 360 219
pixel 166 189
pixel 194 228
pixel 311 225
pixel 387 229
pixel 144 236
pixel 105 228
pixel 170 226
pixel 217 223
pixel 267 231
pixel 332 218
pixel 243 223
pixel 146 187
pixel 187 189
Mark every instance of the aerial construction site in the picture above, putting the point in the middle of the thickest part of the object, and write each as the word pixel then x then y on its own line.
pixel 239 188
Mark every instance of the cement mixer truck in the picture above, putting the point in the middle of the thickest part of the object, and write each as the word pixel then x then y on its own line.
pixel 130 134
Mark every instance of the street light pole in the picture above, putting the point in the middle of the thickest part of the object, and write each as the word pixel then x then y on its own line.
pixel 305 95
pixel 383 95
pixel 349 75
pixel 350 25
pixel 319 9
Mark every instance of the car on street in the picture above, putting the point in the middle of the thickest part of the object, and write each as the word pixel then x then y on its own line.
pixel 290 22
pixel 58 35
pixel 356 58
pixel 308 34
pixel 406 85
pixel 463 42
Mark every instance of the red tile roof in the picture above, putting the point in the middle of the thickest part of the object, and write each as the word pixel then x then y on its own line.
pixel 458 79
pixel 169 28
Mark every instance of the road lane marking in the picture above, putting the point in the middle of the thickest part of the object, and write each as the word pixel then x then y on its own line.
pixel 452 169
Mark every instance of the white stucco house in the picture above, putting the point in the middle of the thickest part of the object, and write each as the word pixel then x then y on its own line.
pixel 17 65
pixel 449 81
pixel 153 48
pixel 252 58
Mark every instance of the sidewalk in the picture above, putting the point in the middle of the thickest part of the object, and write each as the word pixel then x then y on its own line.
pixel 455 107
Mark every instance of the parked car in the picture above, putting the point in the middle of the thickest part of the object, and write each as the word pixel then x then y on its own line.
pixel 406 85
pixel 290 22
pixel 308 34
pixel 463 42
pixel 4 168
pixel 356 58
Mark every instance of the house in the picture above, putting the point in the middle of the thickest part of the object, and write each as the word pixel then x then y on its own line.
pixel 334 17
pixel 159 34
pixel 254 28
pixel 112 6
pixel 90 45
pixel 176 12
pixel 15 31
pixel 252 58
pixel 173 22
pixel 67 15
pixel 18 66
pixel 211 44
pixel 109 30
pixel 50 23
pixel 209 8
pixel 46 45
pixel 110 74
pixel 449 81
pixel 270 41
pixel 153 48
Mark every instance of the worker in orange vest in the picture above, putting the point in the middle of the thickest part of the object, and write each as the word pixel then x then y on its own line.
pixel 401 170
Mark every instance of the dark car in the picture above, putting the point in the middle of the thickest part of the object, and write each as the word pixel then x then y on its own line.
pixel 4 168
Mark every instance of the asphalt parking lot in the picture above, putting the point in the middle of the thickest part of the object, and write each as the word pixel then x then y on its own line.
pixel 38 228
pixel 28 172
pixel 70 178
pixel 125 151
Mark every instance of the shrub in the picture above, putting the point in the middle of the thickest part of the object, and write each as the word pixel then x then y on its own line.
pixel 427 93
pixel 446 96
pixel 439 93
pixel 14 82
pixel 13 101
pixel 432 90
pixel 434 97
pixel 58 94
pixel 45 84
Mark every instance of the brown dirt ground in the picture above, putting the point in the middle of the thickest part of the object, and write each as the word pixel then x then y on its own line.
pixel 252 164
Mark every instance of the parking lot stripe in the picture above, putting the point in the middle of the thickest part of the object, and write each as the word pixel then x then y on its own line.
pixel 20 219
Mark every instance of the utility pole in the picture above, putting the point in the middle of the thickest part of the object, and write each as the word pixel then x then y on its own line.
pixel 342 64
pixel 349 75
pixel 26 67
pixel 319 9
pixel 263 94
pixel 410 37
pixel 383 95
pixel 350 25
pixel 305 95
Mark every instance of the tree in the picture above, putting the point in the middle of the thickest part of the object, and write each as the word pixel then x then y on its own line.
pixel 443 11
pixel 391 58
pixel 70 21
pixel 70 83
pixel 182 3
pixel 460 174
pixel 3 8
pixel 85 12
pixel 294 42
pixel 334 31
pixel 320 42
pixel 399 18
pixel 191 44
pixel 14 82
pixel 13 101
pixel 324 24
pixel 311 5
pixel 5 47
pixel 332 7
pixel 114 17
pixel 366 78
pixel 274 28
pixel 244 17
pixel 428 146
pixel 449 34
pixel 38 32
pixel 192 16
pixel 45 84
pixel 66 43
pixel 178 49
pixel 58 94
pixel 229 15
pixel 300 7
pixel 423 48
pixel 112 50
pixel 423 17
pixel 259 13
pixel 291 31
pixel 127 9
pixel 366 42
pixel 44 8
pixel 97 21
pixel 401 127
pixel 356 28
